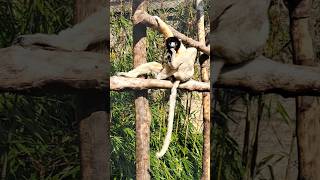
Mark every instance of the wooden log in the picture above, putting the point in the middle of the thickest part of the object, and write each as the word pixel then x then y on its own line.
pixel 121 83
pixel 38 70
pixel 34 70
pixel 307 108
pixel 142 109
pixel 205 65
pixel 93 112
pixel 261 75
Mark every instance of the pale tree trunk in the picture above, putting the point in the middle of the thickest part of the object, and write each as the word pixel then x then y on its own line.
pixel 92 112
pixel 307 108
pixel 205 95
pixel 143 115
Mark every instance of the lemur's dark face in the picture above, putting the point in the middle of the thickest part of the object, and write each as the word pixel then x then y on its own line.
pixel 173 42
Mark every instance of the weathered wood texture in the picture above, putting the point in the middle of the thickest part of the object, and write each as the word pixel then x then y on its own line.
pixel 259 76
pixel 118 6
pixel 307 108
pixel 92 108
pixel 143 114
pixel 121 83
pixel 265 75
pixel 145 18
pixel 205 65
pixel 94 127
pixel 34 69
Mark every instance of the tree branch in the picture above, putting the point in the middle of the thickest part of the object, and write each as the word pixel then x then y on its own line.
pixel 266 76
pixel 26 69
pixel 150 21
pixel 261 75
pixel 118 83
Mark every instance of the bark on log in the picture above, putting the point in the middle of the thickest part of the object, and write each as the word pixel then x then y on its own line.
pixel 92 107
pixel 205 64
pixel 307 108
pixel 28 69
pixel 261 75
pixel 92 30
pixel 142 109
pixel 155 5
pixel 121 83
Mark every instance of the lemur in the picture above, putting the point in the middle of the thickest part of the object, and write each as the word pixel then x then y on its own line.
pixel 180 65
pixel 239 31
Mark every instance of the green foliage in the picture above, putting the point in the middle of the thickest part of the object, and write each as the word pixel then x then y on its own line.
pixel 226 156
pixel 38 137
pixel 33 16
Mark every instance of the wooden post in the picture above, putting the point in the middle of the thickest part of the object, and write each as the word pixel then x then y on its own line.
pixel 94 135
pixel 205 64
pixel 307 108
pixel 93 114
pixel 143 115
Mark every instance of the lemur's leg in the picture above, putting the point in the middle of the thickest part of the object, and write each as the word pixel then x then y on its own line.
pixel 166 72
pixel 77 38
pixel 147 68
pixel 174 62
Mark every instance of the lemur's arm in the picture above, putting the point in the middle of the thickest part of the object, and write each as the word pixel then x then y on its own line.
pixel 147 68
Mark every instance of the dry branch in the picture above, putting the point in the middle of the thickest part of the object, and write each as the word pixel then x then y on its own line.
pixel 261 75
pixel 25 69
pixel 142 108
pixel 155 5
pixel 122 83
pixel 93 30
pixel 150 21
pixel 205 63
pixel 307 108
pixel 265 75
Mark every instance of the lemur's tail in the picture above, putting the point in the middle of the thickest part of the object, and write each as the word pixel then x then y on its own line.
pixel 172 105
pixel 164 28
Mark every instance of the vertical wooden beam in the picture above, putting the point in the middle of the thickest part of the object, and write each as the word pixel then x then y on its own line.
pixel 307 108
pixel 205 65
pixel 143 115
pixel 93 112
pixel 94 135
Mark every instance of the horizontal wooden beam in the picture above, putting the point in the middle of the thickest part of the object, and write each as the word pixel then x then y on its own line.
pixel 122 83
pixel 263 75
pixel 35 69
pixel 26 69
